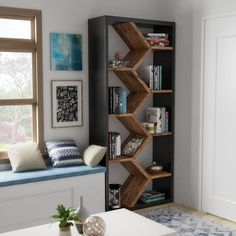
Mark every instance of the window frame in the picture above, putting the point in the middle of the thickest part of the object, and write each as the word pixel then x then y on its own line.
pixel 34 46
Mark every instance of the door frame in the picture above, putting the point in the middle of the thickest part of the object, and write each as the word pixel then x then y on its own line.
pixel 202 100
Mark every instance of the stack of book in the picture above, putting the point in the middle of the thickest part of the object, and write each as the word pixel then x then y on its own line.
pixel 152 76
pixel 114 142
pixel 157 39
pixel 117 100
pixel 152 196
pixel 160 117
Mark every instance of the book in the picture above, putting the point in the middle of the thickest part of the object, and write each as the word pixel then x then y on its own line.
pixel 147 75
pixel 167 121
pixel 163 119
pixel 122 101
pixel 116 96
pixel 152 196
pixel 114 142
pixel 157 39
pixel 117 100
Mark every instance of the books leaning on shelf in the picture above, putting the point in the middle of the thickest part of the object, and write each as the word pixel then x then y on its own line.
pixel 150 196
pixel 160 117
pixel 114 142
pixel 157 39
pixel 117 100
pixel 152 76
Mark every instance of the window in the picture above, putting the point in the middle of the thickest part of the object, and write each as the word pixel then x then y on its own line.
pixel 20 77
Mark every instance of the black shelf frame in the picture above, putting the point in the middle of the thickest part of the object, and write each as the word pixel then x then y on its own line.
pixel 98 94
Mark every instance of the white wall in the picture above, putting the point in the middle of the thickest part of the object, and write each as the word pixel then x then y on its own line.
pixel 71 16
pixel 188 15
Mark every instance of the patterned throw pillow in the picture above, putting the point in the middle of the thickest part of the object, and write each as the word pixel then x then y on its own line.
pixel 63 152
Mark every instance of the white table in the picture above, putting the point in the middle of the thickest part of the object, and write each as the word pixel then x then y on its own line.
pixel 118 223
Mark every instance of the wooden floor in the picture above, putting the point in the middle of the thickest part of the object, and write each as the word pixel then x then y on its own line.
pixel 207 216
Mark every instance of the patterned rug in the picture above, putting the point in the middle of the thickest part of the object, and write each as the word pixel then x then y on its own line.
pixel 187 224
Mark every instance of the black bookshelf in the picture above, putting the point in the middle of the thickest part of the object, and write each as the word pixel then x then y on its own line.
pixel 163 146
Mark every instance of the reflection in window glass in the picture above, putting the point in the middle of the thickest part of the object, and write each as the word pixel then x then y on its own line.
pixel 15 75
pixel 15 125
pixel 17 29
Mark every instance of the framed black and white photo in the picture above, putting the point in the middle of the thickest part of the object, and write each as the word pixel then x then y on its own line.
pixel 67 109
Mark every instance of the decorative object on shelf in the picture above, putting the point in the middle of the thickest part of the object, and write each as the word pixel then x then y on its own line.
pixel 94 226
pixel 65 217
pixel 67 103
pixel 150 127
pixel 157 39
pixel 119 60
pixel 132 145
pixel 115 191
pixel 155 168
pixel 66 51
pixel 82 213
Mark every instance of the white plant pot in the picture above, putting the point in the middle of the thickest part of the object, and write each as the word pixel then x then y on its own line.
pixel 65 231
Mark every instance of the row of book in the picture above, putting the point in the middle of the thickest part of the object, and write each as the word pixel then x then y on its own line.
pixel 151 196
pixel 152 76
pixel 117 100
pixel 159 116
pixel 114 144
pixel 157 39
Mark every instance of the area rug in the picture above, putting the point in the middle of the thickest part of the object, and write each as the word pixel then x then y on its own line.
pixel 187 224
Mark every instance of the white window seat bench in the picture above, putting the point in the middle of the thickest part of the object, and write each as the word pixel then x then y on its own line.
pixel 30 198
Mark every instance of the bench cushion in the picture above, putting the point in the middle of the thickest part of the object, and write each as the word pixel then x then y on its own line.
pixel 8 178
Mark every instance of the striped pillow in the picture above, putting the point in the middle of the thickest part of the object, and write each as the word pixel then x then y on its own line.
pixel 63 152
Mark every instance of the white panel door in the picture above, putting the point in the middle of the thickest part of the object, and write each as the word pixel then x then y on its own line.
pixel 219 117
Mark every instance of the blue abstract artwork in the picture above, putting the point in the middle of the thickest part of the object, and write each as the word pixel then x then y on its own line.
pixel 66 51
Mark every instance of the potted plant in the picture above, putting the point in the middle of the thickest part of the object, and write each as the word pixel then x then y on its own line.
pixel 65 217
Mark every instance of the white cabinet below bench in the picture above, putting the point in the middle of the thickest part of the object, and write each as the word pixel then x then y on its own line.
pixel 31 204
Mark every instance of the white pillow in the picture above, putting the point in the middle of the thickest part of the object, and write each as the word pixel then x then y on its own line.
pixel 93 155
pixel 25 156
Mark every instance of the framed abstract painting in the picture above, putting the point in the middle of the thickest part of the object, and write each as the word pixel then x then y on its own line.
pixel 67 103
pixel 66 51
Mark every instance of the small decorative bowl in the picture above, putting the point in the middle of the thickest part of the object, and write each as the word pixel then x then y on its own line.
pixel 155 169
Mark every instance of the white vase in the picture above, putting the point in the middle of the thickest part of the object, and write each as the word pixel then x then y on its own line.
pixel 82 211
pixel 66 231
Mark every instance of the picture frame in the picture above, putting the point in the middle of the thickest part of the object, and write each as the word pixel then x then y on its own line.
pixel 66 52
pixel 67 103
